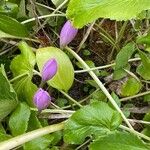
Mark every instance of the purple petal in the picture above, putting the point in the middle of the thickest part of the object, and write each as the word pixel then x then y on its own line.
pixel 67 34
pixel 41 99
pixel 49 69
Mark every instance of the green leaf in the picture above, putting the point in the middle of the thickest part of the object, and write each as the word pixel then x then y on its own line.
pixel 18 121
pixel 147 118
pixel 4 137
pixel 25 90
pixel 96 119
pixel 92 83
pixel 83 12
pixel 146 130
pixel 2 130
pixel 119 141
pixel 144 39
pixel 99 95
pixel 5 35
pixel 147 98
pixel 131 87
pixel 65 75
pixel 40 143
pixel 57 137
pixel 23 63
pixel 22 10
pixel 9 8
pixel 143 70
pixel 122 61
pixel 12 26
pixel 86 52
pixel 117 100
pixel 8 97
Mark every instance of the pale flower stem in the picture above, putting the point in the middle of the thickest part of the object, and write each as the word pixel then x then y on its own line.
pixel 54 111
pixel 60 6
pixel 42 17
pixel 139 121
pixel 21 139
pixel 135 96
pixel 135 132
pixel 104 67
pixel 47 16
pixel 71 99
pixel 47 7
pixel 100 84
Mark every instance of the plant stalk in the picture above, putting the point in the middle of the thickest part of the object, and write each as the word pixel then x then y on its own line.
pixel 21 139
pixel 71 99
pixel 135 96
pixel 135 132
pixel 42 17
pixel 54 111
pixel 104 67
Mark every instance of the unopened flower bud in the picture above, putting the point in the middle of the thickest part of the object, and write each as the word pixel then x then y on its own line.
pixel 41 99
pixel 49 69
pixel 67 34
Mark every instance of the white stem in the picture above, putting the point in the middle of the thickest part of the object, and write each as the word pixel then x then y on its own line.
pixel 45 6
pixel 21 139
pixel 42 17
pixel 57 111
pixel 135 132
pixel 60 6
pixel 134 96
pixel 47 16
pixel 102 87
pixel 139 121
pixel 71 99
pixel 104 67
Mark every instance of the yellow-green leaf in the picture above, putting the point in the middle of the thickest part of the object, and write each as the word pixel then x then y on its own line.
pixel 82 12
pixel 65 75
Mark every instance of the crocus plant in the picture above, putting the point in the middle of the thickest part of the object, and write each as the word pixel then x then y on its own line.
pixel 41 99
pixel 67 34
pixel 49 69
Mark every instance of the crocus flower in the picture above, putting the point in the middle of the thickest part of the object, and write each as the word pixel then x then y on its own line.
pixel 41 99
pixel 49 69
pixel 67 34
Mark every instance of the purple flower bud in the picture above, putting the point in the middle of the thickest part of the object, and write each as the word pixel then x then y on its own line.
pixel 49 69
pixel 41 99
pixel 67 34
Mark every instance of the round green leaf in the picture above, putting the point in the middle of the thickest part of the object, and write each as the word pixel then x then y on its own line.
pixel 65 75
pixel 96 119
